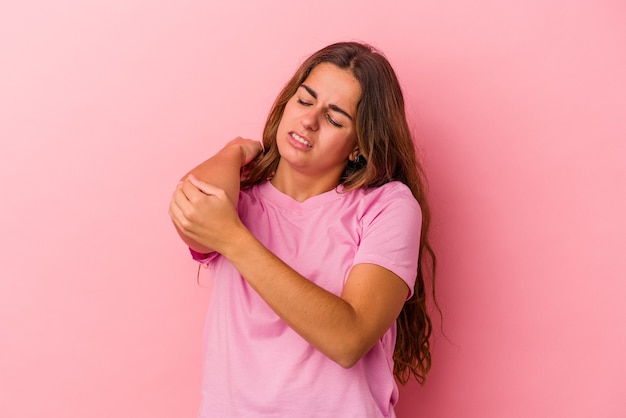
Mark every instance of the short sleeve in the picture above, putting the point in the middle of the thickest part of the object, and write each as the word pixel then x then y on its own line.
pixel 391 233
pixel 203 258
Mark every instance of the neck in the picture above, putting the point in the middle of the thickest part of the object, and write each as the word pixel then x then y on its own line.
pixel 301 186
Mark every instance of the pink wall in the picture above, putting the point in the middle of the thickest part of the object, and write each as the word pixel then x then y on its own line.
pixel 519 110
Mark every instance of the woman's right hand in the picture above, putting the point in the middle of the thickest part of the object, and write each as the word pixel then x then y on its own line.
pixel 223 171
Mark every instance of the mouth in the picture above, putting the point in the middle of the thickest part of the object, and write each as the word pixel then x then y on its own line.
pixel 300 139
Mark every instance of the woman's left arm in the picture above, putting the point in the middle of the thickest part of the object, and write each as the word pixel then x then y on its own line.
pixel 342 327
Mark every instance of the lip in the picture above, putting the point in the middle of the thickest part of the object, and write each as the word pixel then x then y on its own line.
pixel 297 144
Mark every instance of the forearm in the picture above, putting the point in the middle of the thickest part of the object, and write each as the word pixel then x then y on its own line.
pixel 325 320
pixel 222 170
pixel 342 327
pixel 192 243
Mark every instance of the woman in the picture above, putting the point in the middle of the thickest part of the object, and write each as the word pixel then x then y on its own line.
pixel 317 245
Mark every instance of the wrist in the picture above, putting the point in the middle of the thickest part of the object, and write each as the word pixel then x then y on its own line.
pixel 248 149
pixel 240 244
pixel 235 152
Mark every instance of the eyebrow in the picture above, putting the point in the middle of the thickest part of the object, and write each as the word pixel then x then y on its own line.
pixel 330 106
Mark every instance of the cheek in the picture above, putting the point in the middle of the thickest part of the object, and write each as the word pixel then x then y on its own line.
pixel 281 134
pixel 289 109
pixel 342 146
pixel 281 125
pixel 286 116
pixel 348 141
pixel 281 131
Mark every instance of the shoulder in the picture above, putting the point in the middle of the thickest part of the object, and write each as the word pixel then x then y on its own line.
pixel 393 197
pixel 252 193
pixel 390 230
pixel 393 189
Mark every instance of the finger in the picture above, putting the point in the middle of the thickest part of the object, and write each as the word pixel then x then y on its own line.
pixel 191 191
pixel 179 214
pixel 205 188
pixel 177 204
pixel 182 207
pixel 176 215
pixel 255 150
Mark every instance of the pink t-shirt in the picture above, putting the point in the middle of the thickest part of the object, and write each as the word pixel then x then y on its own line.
pixel 255 365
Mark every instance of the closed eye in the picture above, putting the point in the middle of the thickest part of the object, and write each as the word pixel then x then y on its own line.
pixel 333 122
pixel 328 117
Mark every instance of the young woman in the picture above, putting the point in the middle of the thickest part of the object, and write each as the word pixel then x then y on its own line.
pixel 316 242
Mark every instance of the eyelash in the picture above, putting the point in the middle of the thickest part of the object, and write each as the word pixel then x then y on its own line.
pixel 330 120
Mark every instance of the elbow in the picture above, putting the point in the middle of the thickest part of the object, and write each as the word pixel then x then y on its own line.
pixel 348 356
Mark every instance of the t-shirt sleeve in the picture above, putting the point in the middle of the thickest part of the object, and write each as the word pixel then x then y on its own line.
pixel 391 233
pixel 201 257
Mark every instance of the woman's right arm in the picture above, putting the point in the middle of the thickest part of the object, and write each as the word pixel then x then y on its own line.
pixel 223 171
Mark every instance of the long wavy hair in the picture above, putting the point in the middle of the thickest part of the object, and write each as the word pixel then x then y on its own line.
pixel 388 153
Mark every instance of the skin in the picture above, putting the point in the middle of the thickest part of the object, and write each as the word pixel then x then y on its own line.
pixel 203 211
pixel 322 112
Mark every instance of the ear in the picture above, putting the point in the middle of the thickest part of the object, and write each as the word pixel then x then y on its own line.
pixel 354 154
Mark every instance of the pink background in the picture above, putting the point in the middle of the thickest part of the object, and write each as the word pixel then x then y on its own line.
pixel 520 112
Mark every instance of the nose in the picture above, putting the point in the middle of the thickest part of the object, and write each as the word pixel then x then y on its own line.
pixel 310 119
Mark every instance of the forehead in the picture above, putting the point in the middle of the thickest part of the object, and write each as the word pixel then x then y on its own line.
pixel 334 85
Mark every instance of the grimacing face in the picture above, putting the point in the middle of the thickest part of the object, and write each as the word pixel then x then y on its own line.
pixel 317 131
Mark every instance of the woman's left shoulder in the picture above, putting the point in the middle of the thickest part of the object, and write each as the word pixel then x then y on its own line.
pixel 396 187
pixel 390 207
pixel 392 190
pixel 392 197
